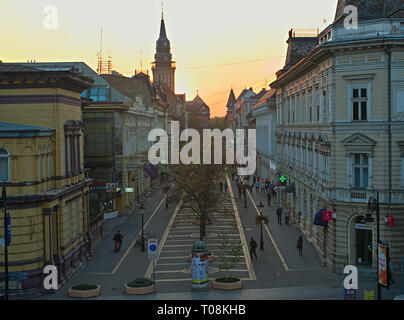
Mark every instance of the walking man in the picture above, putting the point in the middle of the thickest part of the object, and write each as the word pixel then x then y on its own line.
pixel 279 214
pixel 269 196
pixel 257 187
pixel 221 186
pixel 239 190
pixel 299 245
pixel 286 216
pixel 253 247
pixel 225 187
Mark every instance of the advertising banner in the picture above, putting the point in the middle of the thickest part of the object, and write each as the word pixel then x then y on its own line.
pixel 383 264
pixel 199 267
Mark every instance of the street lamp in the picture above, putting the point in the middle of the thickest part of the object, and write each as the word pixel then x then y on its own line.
pixel 166 188
pixel 373 205
pixel 142 213
pixel 260 219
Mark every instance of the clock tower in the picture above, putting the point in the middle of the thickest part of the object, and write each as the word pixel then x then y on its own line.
pixel 163 67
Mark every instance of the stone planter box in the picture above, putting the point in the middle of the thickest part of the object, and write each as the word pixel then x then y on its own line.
pixel 227 285
pixel 139 290
pixel 84 293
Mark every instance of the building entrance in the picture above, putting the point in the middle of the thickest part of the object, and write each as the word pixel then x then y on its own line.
pixel 363 245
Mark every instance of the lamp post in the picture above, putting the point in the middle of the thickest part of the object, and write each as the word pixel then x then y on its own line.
pixel 166 188
pixel 142 213
pixel 373 205
pixel 6 217
pixel 261 240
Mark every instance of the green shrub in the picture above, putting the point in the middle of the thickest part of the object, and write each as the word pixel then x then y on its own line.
pixel 140 282
pixel 227 280
pixel 84 287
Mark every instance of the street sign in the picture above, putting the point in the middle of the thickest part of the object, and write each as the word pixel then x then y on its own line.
pixel 152 246
pixel 2 242
pixel 110 187
pixel 17 276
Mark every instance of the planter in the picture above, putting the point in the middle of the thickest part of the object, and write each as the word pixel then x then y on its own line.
pixel 139 290
pixel 227 285
pixel 77 293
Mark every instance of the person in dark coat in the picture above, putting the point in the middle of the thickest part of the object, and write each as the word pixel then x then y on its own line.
pixel 221 186
pixel 253 248
pixel 269 196
pixel 279 214
pixel 299 245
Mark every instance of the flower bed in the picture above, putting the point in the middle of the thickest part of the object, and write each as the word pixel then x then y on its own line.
pixel 227 283
pixel 84 291
pixel 139 286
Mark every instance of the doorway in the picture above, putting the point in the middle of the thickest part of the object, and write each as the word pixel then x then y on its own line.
pixel 363 246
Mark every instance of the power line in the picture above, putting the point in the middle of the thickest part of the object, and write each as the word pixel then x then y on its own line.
pixel 231 63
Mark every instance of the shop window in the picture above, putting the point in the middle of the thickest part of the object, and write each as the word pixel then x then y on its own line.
pixel 4 165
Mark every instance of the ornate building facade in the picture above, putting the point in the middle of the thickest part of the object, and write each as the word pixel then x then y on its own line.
pixel 340 134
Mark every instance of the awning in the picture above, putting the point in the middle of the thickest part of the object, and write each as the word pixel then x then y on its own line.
pixel 318 219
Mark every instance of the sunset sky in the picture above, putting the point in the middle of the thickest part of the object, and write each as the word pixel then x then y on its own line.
pixel 218 44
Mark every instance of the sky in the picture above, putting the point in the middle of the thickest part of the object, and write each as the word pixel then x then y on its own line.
pixel 217 44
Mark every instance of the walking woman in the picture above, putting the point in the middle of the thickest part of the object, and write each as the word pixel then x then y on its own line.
pixel 299 245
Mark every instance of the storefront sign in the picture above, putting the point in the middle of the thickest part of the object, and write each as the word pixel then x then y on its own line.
pixel 97 186
pixel 110 187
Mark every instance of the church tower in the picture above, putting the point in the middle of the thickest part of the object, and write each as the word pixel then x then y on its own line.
pixel 163 67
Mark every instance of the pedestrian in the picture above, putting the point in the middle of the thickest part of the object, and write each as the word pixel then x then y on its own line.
pixel 239 190
pixel 255 179
pixel 245 191
pixel 251 186
pixel 299 245
pixel 279 214
pixel 262 188
pixel 266 185
pixel 225 187
pixel 221 186
pixel 257 187
pixel 286 213
pixel 253 248
pixel 269 196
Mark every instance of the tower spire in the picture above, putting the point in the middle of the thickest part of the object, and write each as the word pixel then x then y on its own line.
pixel 162 10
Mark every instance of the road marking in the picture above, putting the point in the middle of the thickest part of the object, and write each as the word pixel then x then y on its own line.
pixel 270 235
pixel 251 271
pixel 164 238
pixel 134 241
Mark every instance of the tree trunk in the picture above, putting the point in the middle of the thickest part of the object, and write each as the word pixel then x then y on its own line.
pixel 202 225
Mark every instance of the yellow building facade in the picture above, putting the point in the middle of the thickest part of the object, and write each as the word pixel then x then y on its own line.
pixel 47 188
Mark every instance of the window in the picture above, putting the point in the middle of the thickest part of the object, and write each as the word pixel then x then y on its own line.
pixel 44 162
pixel 67 156
pixel 39 163
pixel 359 104
pixel 49 162
pixel 4 165
pixel 76 209
pixel 361 170
pixel 69 217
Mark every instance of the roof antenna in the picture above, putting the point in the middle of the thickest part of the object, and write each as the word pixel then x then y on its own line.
pixel 162 11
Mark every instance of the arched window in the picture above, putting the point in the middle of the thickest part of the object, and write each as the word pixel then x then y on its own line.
pixel 4 165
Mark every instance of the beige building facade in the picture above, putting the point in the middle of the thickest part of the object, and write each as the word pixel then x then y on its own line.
pixel 340 133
